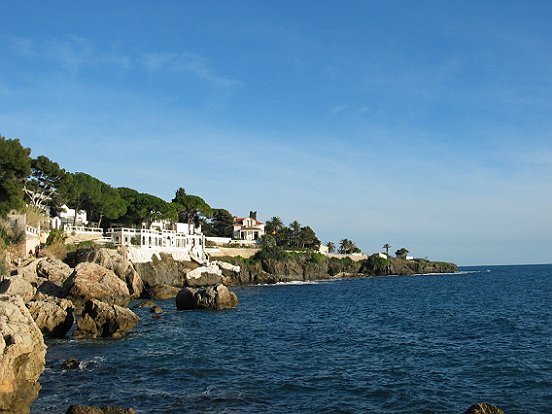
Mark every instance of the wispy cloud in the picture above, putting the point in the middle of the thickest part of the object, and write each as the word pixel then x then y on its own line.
pixel 70 53
pixel 338 109
pixel 191 63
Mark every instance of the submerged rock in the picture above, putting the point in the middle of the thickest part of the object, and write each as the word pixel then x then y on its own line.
pixel 92 281
pixel 83 409
pixel 54 317
pixel 484 408
pixel 211 297
pixel 100 319
pixel 22 356
pixel 71 363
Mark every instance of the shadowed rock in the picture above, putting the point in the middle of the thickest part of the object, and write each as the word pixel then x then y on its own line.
pixel 210 297
pixel 71 363
pixel 162 292
pixel 100 319
pixel 54 317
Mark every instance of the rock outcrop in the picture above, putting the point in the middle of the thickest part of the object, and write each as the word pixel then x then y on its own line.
pixel 164 271
pixel 204 276
pixel 484 408
pixel 17 286
pixel 51 276
pixel 210 297
pixel 22 356
pixel 92 281
pixel 100 319
pixel 115 260
pixel 84 409
pixel 54 317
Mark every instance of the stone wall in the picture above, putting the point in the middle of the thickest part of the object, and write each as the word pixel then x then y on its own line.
pixel 231 252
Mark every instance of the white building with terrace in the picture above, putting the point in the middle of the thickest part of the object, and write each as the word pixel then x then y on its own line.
pixel 248 230
pixel 181 240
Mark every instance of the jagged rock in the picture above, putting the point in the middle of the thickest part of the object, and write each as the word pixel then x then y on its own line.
pixel 17 286
pixel 22 356
pixel 164 270
pixel 100 319
pixel 71 363
pixel 228 269
pixel 29 272
pixel 483 408
pixel 54 317
pixel 210 297
pixel 162 292
pixel 54 270
pixel 115 260
pixel 92 281
pixel 204 276
pixel 83 409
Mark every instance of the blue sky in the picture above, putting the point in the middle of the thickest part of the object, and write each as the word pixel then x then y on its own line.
pixel 426 125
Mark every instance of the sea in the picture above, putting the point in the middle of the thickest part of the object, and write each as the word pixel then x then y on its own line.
pixel 395 344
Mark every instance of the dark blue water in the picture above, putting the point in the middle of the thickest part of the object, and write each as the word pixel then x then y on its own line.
pixel 418 344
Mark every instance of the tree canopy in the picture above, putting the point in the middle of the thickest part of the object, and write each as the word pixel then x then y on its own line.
pixel 220 225
pixel 99 199
pixel 191 208
pixel 43 184
pixel 15 167
pixel 142 207
pixel 347 246
pixel 402 253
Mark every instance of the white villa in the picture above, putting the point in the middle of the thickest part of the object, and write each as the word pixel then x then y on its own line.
pixel 248 229
pixel 182 240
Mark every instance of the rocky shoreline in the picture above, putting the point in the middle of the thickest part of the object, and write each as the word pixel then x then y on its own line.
pixel 87 297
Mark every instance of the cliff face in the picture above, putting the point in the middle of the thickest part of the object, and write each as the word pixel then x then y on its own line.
pixel 309 266
pixel 377 266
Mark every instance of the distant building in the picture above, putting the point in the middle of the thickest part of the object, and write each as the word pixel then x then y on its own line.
pixel 66 217
pixel 182 240
pixel 248 229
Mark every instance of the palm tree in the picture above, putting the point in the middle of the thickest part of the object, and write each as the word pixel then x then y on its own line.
pixel 274 225
pixel 331 247
pixel 387 246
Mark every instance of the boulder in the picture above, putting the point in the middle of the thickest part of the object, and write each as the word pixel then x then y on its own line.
pixel 162 292
pixel 105 320
pixel 228 269
pixel 115 260
pixel 92 281
pixel 54 317
pixel 164 270
pixel 29 272
pixel 22 356
pixel 483 408
pixel 17 286
pixel 83 409
pixel 53 270
pixel 204 276
pixel 210 297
